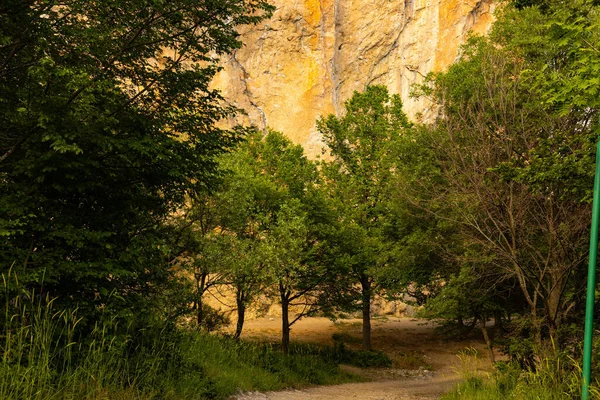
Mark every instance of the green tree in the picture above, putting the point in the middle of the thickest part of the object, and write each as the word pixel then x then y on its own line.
pixel 424 238
pixel 290 239
pixel 360 178
pixel 294 269
pixel 560 69
pixel 107 123
pixel 267 210
pixel 247 273
pixel 517 155
pixel 245 200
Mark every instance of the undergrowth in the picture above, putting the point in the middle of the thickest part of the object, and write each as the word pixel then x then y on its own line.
pixel 342 354
pixel 45 355
pixel 552 379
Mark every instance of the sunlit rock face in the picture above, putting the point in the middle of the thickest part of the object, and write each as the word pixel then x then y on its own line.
pixel 307 60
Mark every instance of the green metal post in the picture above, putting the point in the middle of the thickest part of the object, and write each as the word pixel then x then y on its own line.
pixel 591 288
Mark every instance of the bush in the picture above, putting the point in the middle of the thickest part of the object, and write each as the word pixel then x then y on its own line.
pixel 340 354
pixel 214 319
pixel 360 358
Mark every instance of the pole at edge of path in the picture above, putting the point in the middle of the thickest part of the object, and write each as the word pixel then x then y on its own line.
pixel 591 285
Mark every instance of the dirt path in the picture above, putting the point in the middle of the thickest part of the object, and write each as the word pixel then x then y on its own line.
pixel 425 365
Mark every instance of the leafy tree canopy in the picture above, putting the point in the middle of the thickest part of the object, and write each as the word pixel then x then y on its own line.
pixel 360 180
pixel 107 122
pixel 515 145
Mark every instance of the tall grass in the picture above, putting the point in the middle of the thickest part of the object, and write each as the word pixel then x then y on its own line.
pixel 230 364
pixel 44 356
pixel 553 379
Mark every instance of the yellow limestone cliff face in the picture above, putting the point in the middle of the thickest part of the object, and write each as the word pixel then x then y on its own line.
pixel 309 58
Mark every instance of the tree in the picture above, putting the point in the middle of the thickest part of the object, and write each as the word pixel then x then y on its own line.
pixel 266 207
pixel 296 274
pixel 196 248
pixel 286 226
pixel 247 274
pixel 518 169
pixel 360 178
pixel 244 200
pixel 464 297
pixel 107 123
pixel 561 70
pixel 420 238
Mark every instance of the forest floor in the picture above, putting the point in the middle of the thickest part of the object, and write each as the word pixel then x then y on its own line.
pixel 426 364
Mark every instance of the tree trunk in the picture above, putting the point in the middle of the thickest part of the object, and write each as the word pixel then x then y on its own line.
pixel 488 342
pixel 285 320
pixel 199 311
pixel 366 311
pixel 498 325
pixel 285 328
pixel 554 304
pixel 536 324
pixel 200 287
pixel 241 313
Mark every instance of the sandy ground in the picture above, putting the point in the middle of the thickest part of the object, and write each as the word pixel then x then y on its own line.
pixel 425 364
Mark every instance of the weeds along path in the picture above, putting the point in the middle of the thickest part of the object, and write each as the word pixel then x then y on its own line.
pixel 425 364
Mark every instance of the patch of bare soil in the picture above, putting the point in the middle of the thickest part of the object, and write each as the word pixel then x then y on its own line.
pixel 425 364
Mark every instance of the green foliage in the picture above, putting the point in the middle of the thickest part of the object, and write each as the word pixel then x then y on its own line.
pixel 514 152
pixel 264 222
pixel 44 356
pixel 214 319
pixel 560 58
pixel 233 365
pixel 360 181
pixel 263 175
pixel 360 358
pixel 283 223
pixel 423 238
pixel 378 182
pixel 552 380
pixel 463 297
pixel 107 123
pixel 555 377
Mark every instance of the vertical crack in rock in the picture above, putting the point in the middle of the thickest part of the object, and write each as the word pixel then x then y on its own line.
pixel 409 8
pixel 248 93
pixel 480 8
pixel 393 47
pixel 323 32
pixel 337 48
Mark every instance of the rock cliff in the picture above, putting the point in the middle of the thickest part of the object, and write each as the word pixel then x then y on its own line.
pixel 312 54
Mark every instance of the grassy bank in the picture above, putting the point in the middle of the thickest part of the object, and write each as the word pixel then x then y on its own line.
pixel 229 366
pixel 553 379
pixel 46 355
